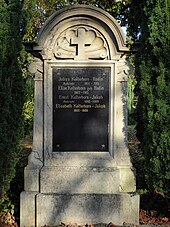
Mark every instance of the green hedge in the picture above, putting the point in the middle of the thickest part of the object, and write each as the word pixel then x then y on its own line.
pixel 153 110
pixel 11 91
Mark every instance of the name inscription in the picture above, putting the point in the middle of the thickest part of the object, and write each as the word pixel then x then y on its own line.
pixel 80 101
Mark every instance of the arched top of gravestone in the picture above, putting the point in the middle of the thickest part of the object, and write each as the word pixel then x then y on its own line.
pixel 77 26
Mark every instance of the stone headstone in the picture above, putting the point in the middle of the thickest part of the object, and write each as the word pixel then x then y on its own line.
pixel 79 170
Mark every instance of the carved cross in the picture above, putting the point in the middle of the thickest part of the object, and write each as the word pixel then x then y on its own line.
pixel 80 42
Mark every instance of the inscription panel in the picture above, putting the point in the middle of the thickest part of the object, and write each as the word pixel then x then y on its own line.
pixel 80 108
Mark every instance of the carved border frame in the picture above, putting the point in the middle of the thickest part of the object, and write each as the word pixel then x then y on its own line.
pixel 48 110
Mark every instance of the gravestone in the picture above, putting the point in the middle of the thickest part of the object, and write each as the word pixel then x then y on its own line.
pixel 79 170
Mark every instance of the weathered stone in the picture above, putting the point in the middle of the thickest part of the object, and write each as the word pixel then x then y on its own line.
pixel 31 179
pixel 67 180
pixel 27 209
pixel 79 170
pixel 87 209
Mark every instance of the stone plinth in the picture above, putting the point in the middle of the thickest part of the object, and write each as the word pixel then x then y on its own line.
pixel 87 208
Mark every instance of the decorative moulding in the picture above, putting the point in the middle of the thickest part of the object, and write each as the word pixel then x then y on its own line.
pixel 90 19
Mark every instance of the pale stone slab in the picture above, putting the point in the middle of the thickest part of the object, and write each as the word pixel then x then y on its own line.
pixel 78 180
pixel 127 180
pixel 31 176
pixel 27 209
pixel 87 209
pixel 83 159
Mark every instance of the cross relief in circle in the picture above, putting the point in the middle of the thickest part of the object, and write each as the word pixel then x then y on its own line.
pixel 80 42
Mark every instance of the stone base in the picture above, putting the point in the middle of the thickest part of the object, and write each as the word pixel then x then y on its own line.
pixel 52 209
pixel 86 180
pixel 27 209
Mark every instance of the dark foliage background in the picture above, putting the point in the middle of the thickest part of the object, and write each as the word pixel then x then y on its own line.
pixel 148 31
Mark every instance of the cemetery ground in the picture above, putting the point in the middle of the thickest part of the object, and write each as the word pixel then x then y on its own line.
pixel 153 207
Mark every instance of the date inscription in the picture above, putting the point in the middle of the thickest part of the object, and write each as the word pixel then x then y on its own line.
pixel 80 108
